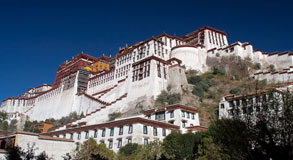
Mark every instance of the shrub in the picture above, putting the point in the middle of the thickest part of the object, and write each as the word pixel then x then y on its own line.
pixel 169 87
pixel 235 90
pixel 272 68
pixel 63 120
pixel 114 115
pixel 129 149
pixel 3 115
pixel 30 126
pixel 257 66
pixel 218 71
pixel 194 80
pixel 221 90
pixel 165 97
pixel 198 91
pixel 211 95
pixel 237 77
pixel 173 98
pixel 162 98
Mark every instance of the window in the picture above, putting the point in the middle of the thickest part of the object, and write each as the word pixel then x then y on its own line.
pixel 145 129
pixel 164 132
pixel 188 116
pixel 111 131
pixel 78 135
pixel 232 49
pixel 103 132
pixel 130 129
pixel 121 130
pixel 119 143
pixel 110 144
pixel 183 124
pixel 146 141
pixel 183 114
pixel 172 114
pixel 160 116
pixel 192 115
pixel 71 136
pixel 95 133
pixel 155 131
pixel 129 140
pixel 159 70
pixel 222 106
pixel 86 135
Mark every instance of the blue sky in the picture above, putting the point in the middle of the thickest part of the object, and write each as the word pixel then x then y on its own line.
pixel 37 36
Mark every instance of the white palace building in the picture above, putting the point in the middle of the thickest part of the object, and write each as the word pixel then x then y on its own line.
pixel 136 75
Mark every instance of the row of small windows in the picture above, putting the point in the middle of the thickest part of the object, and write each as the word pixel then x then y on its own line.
pixel 119 143
pixel 102 79
pixel 155 131
pixel 187 115
pixel 140 54
pixel 177 42
pixel 141 71
pixel 159 71
pixel 50 94
pixel 111 132
pixel 122 71
pixel 161 116
pixel 124 59
pixel 216 38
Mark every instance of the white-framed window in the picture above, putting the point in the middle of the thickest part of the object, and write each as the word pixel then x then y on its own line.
pixel 119 143
pixel 155 131
pixel 171 114
pixel 164 132
pixel 103 132
pixel 86 135
pixel 145 129
pixel 110 144
pixel 129 140
pixel 95 133
pixel 146 141
pixel 111 131
pixel 183 113
pixel 78 135
pixel 130 129
pixel 121 130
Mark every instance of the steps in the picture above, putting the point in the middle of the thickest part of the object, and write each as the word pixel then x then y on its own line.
pixel 93 114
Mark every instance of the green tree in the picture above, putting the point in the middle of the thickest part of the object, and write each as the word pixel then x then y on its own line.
pixel 13 153
pixel 129 149
pixel 232 137
pixel 3 115
pixel 90 150
pixel 180 146
pixel 209 150
pixel 165 97
pixel 12 125
pixel 114 115
pixel 153 151
pixel 269 123
pixel 17 153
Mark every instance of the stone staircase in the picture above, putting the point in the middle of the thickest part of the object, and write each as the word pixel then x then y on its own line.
pixel 90 117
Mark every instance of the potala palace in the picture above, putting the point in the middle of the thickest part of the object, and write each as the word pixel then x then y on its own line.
pixel 135 76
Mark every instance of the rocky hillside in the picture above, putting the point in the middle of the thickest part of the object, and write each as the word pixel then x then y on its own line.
pixel 226 75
